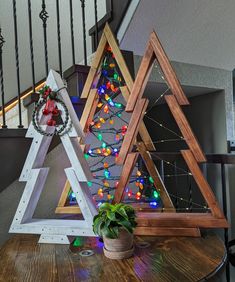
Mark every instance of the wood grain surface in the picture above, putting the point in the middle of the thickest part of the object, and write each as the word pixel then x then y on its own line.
pixel 164 260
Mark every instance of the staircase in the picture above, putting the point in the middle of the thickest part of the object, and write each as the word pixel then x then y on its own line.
pixel 14 146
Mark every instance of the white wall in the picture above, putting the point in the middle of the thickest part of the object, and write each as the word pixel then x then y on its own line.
pixel 6 22
pixel 197 32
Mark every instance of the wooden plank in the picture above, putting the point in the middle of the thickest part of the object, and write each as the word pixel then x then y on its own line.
pixel 37 153
pixel 64 195
pixel 96 62
pixel 76 158
pixel 68 210
pixel 125 177
pixel 143 130
pixel 163 231
pixel 132 130
pixel 180 220
pixel 185 128
pixel 153 172
pixel 57 84
pixel 141 78
pixel 167 70
pixel 118 56
pixel 202 184
pixel 89 110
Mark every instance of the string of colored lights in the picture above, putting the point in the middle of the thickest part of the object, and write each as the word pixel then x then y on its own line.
pixel 109 112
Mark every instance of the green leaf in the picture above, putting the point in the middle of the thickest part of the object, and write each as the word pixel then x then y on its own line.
pixel 111 215
pixel 127 225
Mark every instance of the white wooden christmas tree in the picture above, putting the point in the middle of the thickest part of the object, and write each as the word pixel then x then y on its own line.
pixel 35 175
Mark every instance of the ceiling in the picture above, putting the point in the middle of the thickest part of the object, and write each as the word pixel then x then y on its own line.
pixel 200 32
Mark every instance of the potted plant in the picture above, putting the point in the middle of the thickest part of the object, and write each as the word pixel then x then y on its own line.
pixel 115 224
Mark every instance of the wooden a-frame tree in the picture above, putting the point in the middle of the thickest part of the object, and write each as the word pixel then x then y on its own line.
pixel 91 94
pixel 55 230
pixel 166 223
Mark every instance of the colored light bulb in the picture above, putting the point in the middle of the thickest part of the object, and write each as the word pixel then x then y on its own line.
pixel 102 120
pixel 103 145
pixel 118 105
pixel 106 109
pixel 106 173
pixel 108 196
pixel 151 179
pixel 111 121
pixel 89 183
pixel 86 156
pixel 155 194
pixel 138 173
pixel 100 137
pixel 115 76
pixel 106 165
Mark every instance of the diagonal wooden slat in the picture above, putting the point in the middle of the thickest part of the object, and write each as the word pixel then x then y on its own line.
pixel 185 128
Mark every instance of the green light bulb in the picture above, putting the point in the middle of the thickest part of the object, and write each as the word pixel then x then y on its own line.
pixel 100 137
pixel 151 179
pixel 115 76
pixel 155 194
pixel 89 183
pixel 104 145
pixel 86 156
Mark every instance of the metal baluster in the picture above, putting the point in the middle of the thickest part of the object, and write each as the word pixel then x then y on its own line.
pixel 44 16
pixel 2 41
pixel 31 44
pixel 58 35
pixel 224 197
pixel 72 32
pixel 84 31
pixel 96 24
pixel 176 184
pixel 17 62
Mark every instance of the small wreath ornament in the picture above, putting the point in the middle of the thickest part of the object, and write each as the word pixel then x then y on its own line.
pixel 47 104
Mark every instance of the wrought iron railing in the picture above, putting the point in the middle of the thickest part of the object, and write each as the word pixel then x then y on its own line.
pixel 88 9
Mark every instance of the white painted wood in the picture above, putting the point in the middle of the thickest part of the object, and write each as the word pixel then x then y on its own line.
pixel 76 158
pixel 53 239
pixel 54 230
pixel 56 83
pixel 37 153
pixel 80 190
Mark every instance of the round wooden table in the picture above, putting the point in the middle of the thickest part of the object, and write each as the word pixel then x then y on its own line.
pixel 161 259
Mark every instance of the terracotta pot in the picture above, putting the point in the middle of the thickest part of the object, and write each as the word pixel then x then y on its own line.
pixel 119 248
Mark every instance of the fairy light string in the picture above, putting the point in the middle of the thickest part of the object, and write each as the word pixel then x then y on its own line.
pixel 101 157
